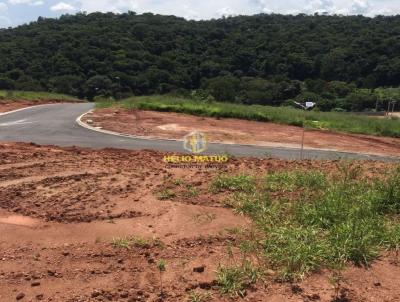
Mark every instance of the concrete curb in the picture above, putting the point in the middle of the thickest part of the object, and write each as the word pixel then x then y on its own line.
pixel 152 138
pixel 156 138
pixel 87 126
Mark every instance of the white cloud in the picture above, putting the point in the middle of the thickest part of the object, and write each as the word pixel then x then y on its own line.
pixel 190 9
pixel 19 11
pixel 28 2
pixel 19 1
pixel 62 7
pixel 360 7
pixel 344 7
pixel 206 9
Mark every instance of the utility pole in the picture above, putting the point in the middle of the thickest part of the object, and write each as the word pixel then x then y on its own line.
pixel 302 143
pixel 305 107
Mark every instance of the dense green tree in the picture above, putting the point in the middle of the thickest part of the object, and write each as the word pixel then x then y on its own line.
pixel 260 59
pixel 360 101
pixel 67 84
pixel 6 84
pixel 308 97
pixel 97 85
pixel 339 89
pixel 258 91
pixel 223 88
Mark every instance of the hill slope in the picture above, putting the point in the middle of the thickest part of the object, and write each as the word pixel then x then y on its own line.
pixel 257 59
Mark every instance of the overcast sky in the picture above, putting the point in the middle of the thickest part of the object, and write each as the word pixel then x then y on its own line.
pixel 15 12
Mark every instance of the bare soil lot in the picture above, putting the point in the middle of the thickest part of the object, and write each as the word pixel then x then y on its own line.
pixel 64 214
pixel 174 125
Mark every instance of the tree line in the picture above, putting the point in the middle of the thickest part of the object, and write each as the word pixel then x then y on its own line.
pixel 270 59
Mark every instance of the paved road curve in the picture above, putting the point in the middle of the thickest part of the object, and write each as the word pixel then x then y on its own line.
pixel 55 125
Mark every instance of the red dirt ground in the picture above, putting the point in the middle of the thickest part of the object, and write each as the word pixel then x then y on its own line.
pixel 6 105
pixel 174 125
pixel 60 209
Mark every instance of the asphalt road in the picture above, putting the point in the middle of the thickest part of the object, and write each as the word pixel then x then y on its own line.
pixel 56 125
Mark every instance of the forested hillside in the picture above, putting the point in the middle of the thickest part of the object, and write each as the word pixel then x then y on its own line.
pixel 265 59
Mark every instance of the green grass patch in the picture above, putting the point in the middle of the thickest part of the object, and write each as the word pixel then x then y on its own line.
pixel 344 122
pixel 239 182
pixel 135 241
pixel 34 96
pixel 306 221
pixel 166 194
pixel 198 296
pixel 290 181
pixel 122 243
pixel 191 191
pixel 234 280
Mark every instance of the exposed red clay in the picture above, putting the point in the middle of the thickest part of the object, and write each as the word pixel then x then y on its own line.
pixel 61 209
pixel 174 125
pixel 6 105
